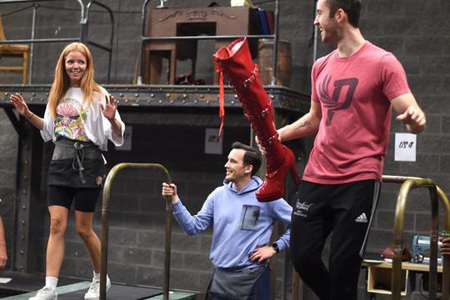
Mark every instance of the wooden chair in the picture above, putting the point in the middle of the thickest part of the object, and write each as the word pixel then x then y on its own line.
pixel 14 50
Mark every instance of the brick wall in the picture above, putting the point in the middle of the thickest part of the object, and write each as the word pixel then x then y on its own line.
pixel 416 31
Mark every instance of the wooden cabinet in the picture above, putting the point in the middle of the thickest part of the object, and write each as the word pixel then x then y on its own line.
pixel 172 22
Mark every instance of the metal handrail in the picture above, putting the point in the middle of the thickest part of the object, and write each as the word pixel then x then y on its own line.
pixel 409 183
pixel 275 44
pixel 105 224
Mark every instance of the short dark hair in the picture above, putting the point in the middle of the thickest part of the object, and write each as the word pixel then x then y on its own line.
pixel 251 157
pixel 351 7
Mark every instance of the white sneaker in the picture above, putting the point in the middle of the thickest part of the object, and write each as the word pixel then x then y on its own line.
pixel 45 293
pixel 94 290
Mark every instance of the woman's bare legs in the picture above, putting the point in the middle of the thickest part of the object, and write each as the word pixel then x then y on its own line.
pixel 83 223
pixel 55 245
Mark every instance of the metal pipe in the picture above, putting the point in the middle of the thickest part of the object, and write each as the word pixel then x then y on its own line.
pixel 111 40
pixel 275 44
pixel 446 259
pixel 398 241
pixel 33 29
pixel 83 33
pixel 83 24
pixel 30 41
pixel 315 31
pixel 398 179
pixel 99 46
pixel 143 39
pixel 208 37
pixel 105 224
pixel 82 11
pixel 167 245
pixel 19 1
pixel 432 288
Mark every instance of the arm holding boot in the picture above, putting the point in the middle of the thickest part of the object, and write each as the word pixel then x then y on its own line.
pixel 305 126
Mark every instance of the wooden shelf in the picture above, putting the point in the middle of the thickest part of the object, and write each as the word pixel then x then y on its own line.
pixel 380 272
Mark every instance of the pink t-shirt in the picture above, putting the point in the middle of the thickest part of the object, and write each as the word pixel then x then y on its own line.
pixel 354 93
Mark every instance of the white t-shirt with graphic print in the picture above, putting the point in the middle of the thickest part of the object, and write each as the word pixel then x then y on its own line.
pixel 82 123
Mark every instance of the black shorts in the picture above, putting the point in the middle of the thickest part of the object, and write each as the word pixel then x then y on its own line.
pixel 85 198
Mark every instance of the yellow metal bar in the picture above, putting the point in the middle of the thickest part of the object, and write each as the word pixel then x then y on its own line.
pixel 398 238
pixel 446 259
pixel 105 223
pixel 409 183
pixel 432 289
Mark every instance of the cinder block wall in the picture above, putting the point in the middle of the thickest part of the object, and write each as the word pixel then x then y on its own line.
pixel 8 159
pixel 136 253
pixel 416 31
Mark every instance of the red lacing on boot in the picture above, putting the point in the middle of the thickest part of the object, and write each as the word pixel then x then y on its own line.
pixel 221 100
pixel 245 84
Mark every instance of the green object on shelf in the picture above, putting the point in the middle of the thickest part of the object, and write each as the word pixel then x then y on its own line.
pixel 445 233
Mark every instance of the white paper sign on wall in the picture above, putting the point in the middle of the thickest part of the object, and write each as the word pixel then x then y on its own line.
pixel 405 147
pixel 212 143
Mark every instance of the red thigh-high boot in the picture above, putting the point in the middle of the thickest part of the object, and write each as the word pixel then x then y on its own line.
pixel 236 63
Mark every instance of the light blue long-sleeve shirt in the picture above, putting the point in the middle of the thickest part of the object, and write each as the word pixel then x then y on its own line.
pixel 240 223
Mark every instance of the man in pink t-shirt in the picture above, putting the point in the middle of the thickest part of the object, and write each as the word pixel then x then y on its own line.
pixel 353 90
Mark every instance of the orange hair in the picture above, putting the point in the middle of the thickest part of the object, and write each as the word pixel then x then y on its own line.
pixel 61 83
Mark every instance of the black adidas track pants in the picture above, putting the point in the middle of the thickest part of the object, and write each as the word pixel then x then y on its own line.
pixel 347 211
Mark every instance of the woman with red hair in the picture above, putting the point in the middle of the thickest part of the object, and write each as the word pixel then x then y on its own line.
pixel 80 118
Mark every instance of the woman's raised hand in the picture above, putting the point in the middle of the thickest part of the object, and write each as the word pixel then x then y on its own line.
pixel 20 105
pixel 110 107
